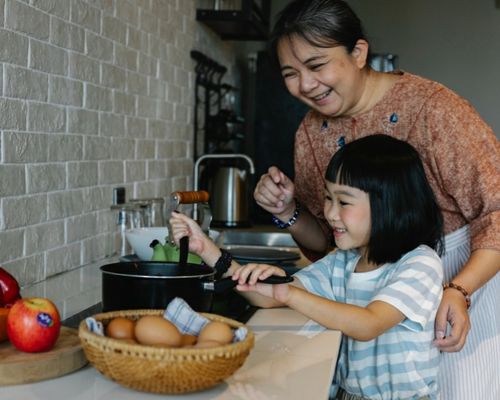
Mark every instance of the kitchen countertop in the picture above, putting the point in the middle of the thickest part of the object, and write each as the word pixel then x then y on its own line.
pixel 293 358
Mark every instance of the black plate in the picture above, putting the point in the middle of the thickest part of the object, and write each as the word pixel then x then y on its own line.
pixel 257 254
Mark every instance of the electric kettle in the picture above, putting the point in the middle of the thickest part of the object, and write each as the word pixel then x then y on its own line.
pixel 229 191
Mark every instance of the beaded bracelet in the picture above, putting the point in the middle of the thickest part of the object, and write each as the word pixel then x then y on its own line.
pixel 282 225
pixel 223 263
pixel 460 289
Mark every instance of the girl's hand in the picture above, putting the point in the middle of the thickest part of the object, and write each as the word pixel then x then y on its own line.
pixel 182 226
pixel 248 278
pixel 274 193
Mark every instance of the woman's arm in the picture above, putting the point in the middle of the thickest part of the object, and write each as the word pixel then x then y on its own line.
pixel 307 232
pixel 466 168
pixel 275 193
pixel 483 265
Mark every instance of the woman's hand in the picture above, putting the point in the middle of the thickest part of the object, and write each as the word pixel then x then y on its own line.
pixel 274 193
pixel 248 278
pixel 452 309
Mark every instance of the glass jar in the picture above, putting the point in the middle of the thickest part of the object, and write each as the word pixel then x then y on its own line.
pixel 128 216
pixel 153 213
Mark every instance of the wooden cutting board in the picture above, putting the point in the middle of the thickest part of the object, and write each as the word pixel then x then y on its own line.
pixel 19 367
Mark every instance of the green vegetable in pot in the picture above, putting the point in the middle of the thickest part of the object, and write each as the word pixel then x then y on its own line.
pixel 159 253
pixel 170 253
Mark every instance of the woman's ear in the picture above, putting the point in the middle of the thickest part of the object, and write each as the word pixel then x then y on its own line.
pixel 360 53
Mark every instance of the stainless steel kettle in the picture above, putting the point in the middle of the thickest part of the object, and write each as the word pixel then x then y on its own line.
pixel 229 191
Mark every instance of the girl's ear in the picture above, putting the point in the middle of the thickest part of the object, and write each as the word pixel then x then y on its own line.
pixel 360 53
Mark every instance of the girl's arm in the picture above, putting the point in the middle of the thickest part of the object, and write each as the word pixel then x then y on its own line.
pixel 360 323
pixel 203 246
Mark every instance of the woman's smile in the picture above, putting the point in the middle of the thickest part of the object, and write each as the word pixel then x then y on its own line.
pixel 321 99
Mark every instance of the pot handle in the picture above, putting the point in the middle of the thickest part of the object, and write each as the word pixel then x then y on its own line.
pixel 200 196
pixel 227 283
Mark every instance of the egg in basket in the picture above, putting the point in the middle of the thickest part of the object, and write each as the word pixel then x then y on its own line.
pixel 170 362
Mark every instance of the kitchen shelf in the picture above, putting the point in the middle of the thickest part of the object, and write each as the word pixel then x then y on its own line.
pixel 249 22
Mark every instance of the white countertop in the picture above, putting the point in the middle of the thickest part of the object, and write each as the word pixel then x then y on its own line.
pixel 293 358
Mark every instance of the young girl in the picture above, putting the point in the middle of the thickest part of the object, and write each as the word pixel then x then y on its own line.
pixel 382 285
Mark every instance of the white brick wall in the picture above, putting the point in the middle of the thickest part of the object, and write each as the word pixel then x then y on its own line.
pixel 94 94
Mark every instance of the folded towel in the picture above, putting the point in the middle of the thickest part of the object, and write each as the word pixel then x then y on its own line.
pixel 190 322
pixel 184 317
pixel 94 326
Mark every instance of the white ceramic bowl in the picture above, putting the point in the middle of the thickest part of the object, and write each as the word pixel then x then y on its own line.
pixel 140 239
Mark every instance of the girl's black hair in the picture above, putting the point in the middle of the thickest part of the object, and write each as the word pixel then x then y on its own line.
pixel 322 23
pixel 404 211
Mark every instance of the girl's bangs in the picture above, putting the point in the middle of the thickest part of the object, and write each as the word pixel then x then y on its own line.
pixel 356 174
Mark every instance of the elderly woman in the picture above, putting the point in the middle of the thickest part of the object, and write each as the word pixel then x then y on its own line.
pixel 322 52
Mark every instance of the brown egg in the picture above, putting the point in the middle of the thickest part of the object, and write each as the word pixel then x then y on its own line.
pixel 120 328
pixel 188 340
pixel 216 331
pixel 157 331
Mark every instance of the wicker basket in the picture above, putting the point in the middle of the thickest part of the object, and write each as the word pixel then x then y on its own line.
pixel 162 370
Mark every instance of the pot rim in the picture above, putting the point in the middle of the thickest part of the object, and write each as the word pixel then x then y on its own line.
pixel 160 277
pixel 128 275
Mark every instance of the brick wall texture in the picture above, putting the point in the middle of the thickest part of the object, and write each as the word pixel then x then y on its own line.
pixel 94 94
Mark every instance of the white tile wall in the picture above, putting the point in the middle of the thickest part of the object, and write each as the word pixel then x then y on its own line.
pixel 94 94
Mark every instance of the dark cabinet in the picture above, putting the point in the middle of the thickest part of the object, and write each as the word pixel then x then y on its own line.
pixel 276 118
pixel 237 20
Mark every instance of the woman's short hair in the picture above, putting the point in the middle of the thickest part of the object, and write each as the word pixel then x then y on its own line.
pixel 404 211
pixel 322 23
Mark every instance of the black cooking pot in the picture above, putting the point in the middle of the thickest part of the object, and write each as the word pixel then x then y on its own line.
pixel 153 284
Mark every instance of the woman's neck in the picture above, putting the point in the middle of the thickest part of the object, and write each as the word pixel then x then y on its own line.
pixel 376 85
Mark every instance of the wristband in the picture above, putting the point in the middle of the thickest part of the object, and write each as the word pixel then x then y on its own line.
pixel 223 263
pixel 282 225
pixel 460 289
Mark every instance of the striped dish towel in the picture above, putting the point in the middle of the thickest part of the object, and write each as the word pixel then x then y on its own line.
pixel 190 322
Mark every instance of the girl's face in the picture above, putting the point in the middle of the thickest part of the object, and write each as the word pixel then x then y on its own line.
pixel 347 210
pixel 329 80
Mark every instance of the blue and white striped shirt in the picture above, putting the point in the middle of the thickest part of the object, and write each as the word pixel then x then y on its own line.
pixel 402 363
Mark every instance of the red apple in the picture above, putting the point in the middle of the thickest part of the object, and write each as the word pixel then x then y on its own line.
pixel 33 324
pixel 9 288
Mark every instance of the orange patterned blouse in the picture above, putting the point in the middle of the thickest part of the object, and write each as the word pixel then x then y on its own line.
pixel 460 153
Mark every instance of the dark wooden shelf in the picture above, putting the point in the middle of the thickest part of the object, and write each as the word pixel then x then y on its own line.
pixel 249 23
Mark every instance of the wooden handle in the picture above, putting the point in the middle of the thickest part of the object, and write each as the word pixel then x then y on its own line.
pixel 192 197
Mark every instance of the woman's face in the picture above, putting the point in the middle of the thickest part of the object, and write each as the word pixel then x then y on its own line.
pixel 329 80
pixel 347 211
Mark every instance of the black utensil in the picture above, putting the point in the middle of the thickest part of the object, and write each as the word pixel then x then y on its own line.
pixel 183 251
pixel 227 283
